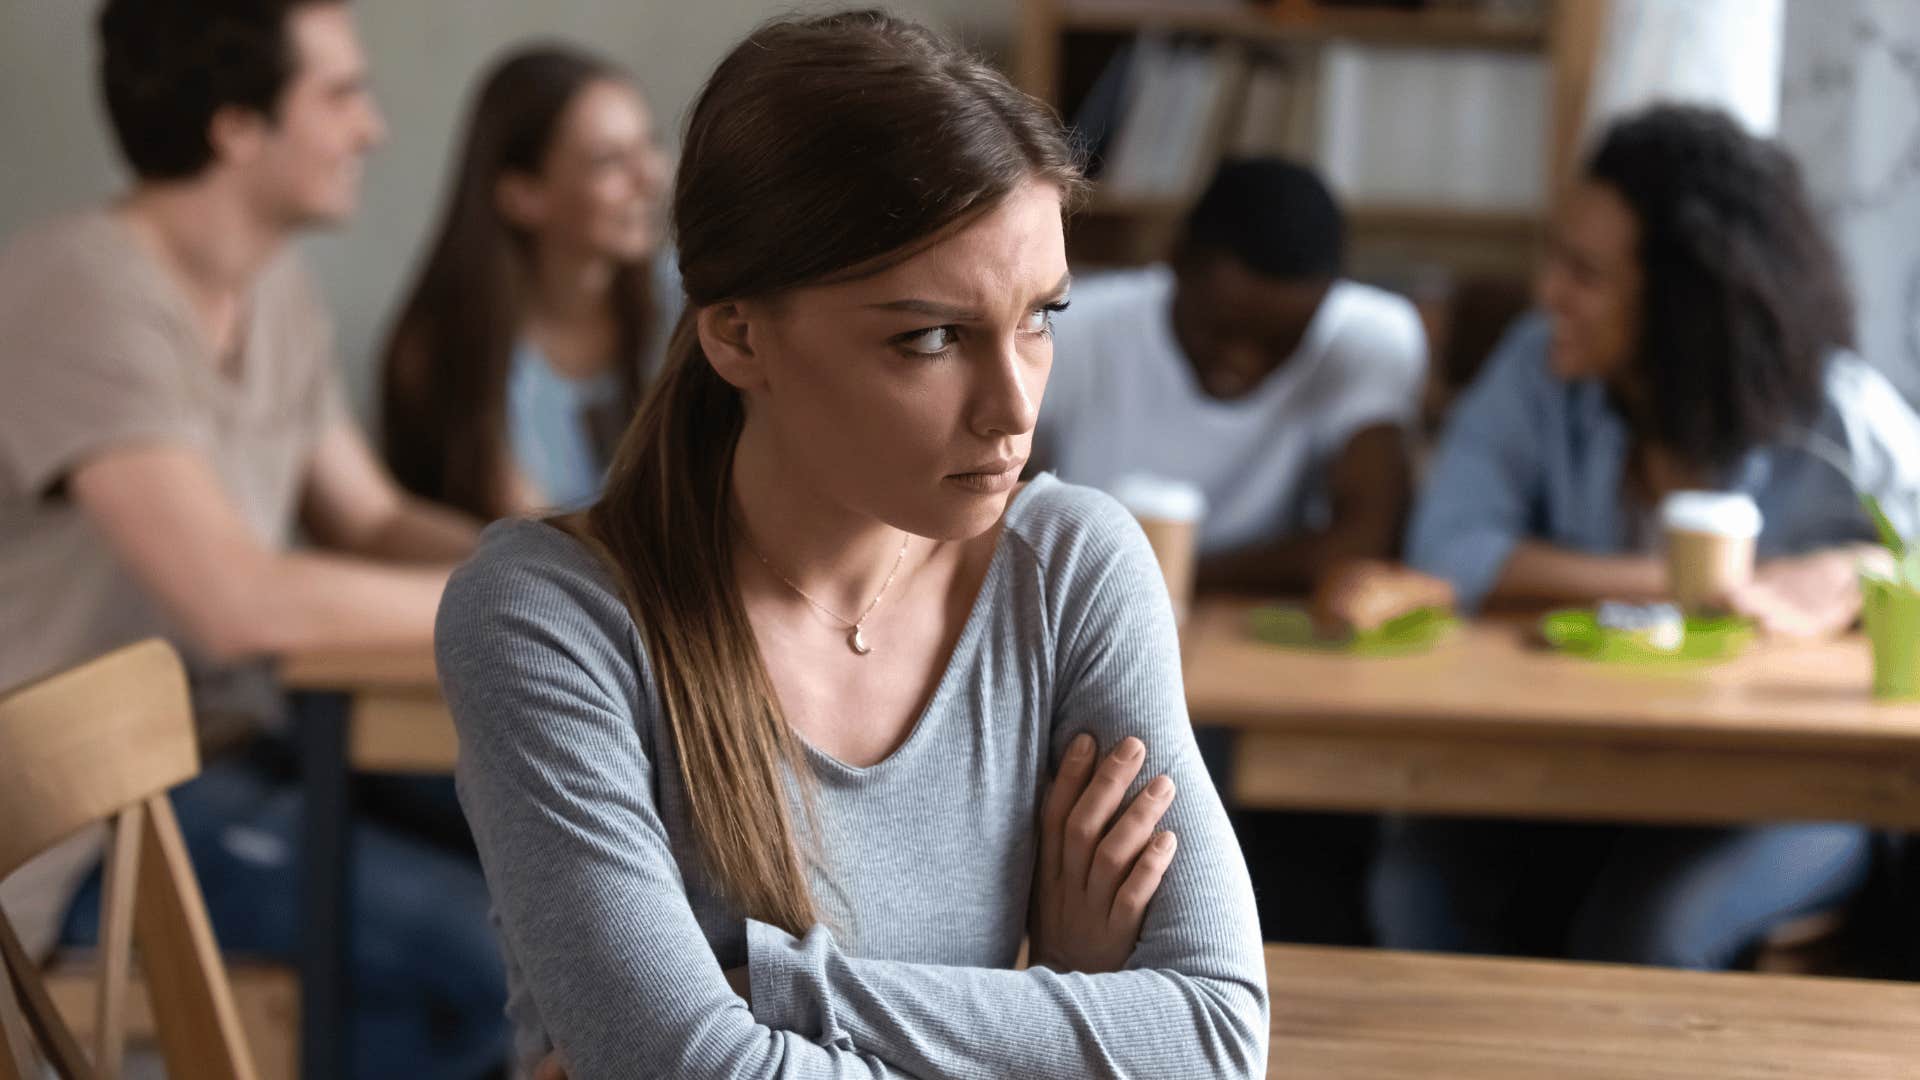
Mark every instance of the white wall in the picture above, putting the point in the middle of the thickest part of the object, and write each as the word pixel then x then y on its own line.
pixel 425 54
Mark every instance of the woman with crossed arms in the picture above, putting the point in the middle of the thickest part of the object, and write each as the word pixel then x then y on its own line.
pixel 776 754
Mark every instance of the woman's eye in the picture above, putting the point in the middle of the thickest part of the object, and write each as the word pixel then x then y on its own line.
pixel 931 342
pixel 1040 319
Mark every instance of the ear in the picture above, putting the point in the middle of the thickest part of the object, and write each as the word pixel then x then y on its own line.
pixel 727 338
pixel 520 200
pixel 235 134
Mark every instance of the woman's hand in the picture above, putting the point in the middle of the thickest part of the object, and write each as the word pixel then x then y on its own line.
pixel 1805 596
pixel 1096 873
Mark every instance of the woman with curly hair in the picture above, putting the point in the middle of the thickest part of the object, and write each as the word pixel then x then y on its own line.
pixel 1695 335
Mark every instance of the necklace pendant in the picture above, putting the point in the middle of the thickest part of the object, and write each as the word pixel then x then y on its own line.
pixel 858 643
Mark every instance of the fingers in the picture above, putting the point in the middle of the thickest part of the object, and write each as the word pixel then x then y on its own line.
pixel 1122 845
pixel 1130 903
pixel 1075 766
pixel 1754 600
pixel 551 1068
pixel 1087 822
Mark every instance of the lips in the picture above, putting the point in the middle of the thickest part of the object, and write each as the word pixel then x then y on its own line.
pixel 993 468
pixel 995 477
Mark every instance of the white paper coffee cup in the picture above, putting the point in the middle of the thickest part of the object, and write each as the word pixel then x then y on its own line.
pixel 1169 512
pixel 1710 538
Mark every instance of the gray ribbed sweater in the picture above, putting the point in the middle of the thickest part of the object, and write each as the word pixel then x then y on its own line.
pixel 616 941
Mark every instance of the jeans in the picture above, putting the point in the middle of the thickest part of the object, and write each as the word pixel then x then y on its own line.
pixel 1678 897
pixel 429 987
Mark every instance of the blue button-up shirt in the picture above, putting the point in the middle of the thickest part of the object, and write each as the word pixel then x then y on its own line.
pixel 1528 455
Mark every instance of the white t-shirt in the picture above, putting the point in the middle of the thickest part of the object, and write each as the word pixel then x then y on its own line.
pixel 1122 398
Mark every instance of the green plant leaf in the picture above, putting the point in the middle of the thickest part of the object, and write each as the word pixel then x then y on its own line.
pixel 1889 535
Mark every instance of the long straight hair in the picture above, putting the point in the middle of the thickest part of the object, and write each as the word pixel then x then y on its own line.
pixel 448 355
pixel 821 148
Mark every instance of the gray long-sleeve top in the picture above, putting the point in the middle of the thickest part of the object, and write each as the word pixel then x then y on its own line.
pixel 616 940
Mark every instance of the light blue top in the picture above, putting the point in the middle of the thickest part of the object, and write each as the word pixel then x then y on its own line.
pixel 547 429
pixel 1528 455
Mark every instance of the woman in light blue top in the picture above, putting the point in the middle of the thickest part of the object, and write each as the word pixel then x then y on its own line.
pixel 1694 336
pixel 521 351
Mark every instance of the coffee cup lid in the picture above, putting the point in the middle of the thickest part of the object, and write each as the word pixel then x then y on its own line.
pixel 1716 512
pixel 1149 496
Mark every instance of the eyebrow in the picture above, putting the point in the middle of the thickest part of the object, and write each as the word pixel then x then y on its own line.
pixel 949 313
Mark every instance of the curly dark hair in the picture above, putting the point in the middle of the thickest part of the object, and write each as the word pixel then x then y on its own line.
pixel 1743 294
pixel 166 66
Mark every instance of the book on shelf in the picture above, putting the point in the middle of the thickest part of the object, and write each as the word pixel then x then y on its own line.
pixel 1157 116
pixel 1388 125
pixel 1434 127
pixel 1276 116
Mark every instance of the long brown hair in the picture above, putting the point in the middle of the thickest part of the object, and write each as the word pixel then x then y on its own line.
pixel 445 366
pixel 821 148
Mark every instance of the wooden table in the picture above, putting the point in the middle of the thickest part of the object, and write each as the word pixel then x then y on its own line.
pixel 1363 1014
pixel 1484 724
pixel 1488 724
pixel 353 712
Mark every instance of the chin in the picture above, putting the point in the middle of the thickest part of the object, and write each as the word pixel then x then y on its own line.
pixel 1567 364
pixel 958 516
pixel 326 212
pixel 624 243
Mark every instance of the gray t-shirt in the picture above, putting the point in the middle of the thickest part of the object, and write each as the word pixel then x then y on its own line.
pixel 616 940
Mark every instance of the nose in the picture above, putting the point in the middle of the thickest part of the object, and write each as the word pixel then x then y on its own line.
pixel 375 126
pixel 649 165
pixel 1007 393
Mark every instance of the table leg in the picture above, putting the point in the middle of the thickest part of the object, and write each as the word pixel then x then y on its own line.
pixel 1217 745
pixel 326 1038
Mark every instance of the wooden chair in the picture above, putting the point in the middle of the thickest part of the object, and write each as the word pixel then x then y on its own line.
pixel 103 743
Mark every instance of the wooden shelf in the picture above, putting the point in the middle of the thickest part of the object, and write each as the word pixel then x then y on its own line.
pixel 1507 224
pixel 1429 28
pixel 1363 218
pixel 1065 46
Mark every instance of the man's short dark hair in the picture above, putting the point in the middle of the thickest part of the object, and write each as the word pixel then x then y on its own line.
pixel 1272 215
pixel 166 66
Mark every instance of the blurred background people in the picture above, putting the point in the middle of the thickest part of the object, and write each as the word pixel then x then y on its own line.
pixel 1252 368
pixel 544 300
pixel 172 413
pixel 1695 333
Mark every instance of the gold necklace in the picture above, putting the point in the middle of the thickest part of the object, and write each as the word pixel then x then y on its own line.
pixel 855 639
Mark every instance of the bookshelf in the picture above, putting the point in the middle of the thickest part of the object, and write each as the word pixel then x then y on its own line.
pixel 1451 26
pixel 1065 48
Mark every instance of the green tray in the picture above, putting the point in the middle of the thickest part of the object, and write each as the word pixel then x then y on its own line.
pixel 1417 631
pixel 1577 632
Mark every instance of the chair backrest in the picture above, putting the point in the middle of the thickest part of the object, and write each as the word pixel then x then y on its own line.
pixel 104 742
